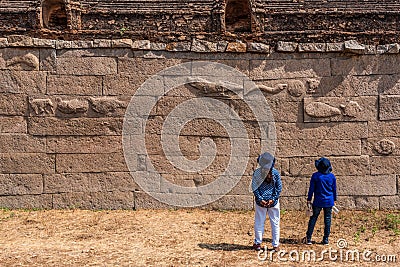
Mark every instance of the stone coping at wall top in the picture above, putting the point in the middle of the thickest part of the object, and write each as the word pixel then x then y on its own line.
pixel 202 46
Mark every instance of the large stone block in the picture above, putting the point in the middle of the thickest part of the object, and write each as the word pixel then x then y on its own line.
pixel 389 202
pixel 86 66
pixel 148 67
pixel 21 184
pixel 367 203
pixel 27 163
pixel 293 203
pixel 243 187
pixel 331 109
pixel 297 148
pixel 89 182
pixel 76 163
pixel 22 81
pixel 351 86
pixel 74 85
pixel 341 166
pixel 285 111
pixel 22 143
pixel 348 86
pixel 346 203
pixel 389 107
pixel 366 65
pixel 126 84
pixel 382 129
pixel 27 202
pixel 13 125
pixel 84 144
pixel 13 104
pixel 229 202
pixel 145 201
pixel 48 60
pixel 319 131
pixel 77 126
pixel 382 185
pixel 385 165
pixel 94 201
pixel 289 68
pixel 295 187
pixel 129 84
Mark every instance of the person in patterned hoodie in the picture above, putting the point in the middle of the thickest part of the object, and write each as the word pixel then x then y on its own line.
pixel 266 186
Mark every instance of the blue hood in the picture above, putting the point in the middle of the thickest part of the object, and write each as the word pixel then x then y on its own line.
pixel 323 165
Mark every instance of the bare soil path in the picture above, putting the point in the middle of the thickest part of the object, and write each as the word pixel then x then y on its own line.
pixel 188 238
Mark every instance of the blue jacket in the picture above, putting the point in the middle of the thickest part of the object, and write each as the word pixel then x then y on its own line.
pixel 323 187
pixel 267 191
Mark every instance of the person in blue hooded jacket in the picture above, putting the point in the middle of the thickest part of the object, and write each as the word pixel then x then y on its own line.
pixel 323 188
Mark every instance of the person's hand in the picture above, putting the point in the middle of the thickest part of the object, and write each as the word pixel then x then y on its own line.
pixel 263 203
pixel 270 202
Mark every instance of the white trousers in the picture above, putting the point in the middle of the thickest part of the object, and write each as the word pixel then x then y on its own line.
pixel 259 221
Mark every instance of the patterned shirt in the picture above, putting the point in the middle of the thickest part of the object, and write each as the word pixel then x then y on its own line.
pixel 264 191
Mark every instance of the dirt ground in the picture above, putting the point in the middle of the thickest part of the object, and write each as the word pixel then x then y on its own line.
pixel 187 238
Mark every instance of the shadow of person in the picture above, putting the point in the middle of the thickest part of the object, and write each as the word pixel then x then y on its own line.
pixel 225 246
pixel 284 240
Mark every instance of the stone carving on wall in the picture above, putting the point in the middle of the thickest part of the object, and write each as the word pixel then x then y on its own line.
pixel 312 85
pixel 273 90
pixel 296 88
pixel 73 106
pixel 321 110
pixel 25 62
pixel 42 106
pixel 385 147
pixel 209 88
pixel 351 109
pixel 105 105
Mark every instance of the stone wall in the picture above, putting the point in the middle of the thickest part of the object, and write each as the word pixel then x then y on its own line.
pixel 369 21
pixel 62 105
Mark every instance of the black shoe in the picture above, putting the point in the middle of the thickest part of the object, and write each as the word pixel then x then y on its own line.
pixel 257 247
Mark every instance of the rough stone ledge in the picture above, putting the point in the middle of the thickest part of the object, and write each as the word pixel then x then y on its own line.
pixel 351 47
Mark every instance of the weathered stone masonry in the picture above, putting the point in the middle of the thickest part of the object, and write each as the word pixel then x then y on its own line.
pixel 62 105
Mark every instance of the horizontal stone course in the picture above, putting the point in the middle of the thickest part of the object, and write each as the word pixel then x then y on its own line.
pixel 74 85
pixel 16 163
pixel 95 201
pixel 86 66
pixel 13 125
pixel 21 184
pixel 22 81
pixel 305 166
pixel 82 163
pixel 43 126
pixel 88 182
pixel 296 148
pixel 84 144
pixel 13 104
pixel 43 201
pixel 383 185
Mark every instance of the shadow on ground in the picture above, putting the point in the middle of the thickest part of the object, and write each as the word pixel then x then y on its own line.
pixel 233 247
